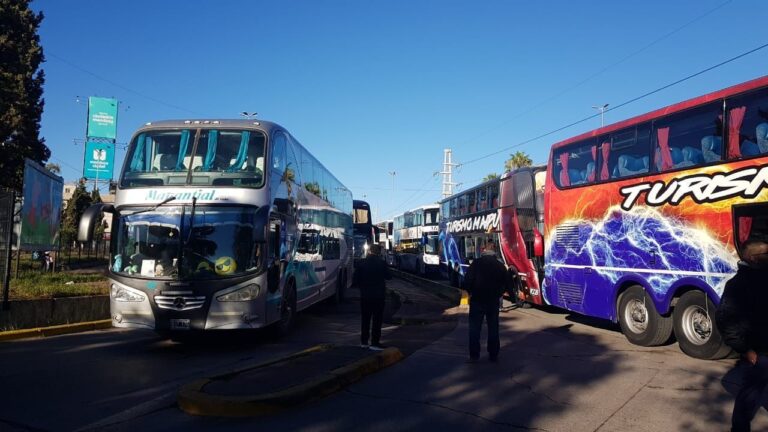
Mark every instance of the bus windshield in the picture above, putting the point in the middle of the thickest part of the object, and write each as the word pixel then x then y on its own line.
pixel 159 243
pixel 195 156
pixel 431 246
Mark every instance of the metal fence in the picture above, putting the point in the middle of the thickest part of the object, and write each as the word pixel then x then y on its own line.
pixel 71 256
pixel 7 201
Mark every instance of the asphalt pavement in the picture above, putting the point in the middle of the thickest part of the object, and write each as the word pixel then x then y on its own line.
pixel 557 372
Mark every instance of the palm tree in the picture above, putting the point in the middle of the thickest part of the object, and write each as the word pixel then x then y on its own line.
pixel 517 160
pixel 490 176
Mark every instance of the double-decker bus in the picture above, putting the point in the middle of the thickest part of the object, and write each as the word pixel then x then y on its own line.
pixel 415 240
pixel 645 218
pixel 507 211
pixel 223 224
pixel 364 233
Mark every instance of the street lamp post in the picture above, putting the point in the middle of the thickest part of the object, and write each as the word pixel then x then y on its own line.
pixel 602 109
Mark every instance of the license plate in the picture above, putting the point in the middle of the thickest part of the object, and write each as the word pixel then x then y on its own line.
pixel 179 324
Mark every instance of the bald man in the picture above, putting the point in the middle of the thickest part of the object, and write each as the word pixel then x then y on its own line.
pixel 742 319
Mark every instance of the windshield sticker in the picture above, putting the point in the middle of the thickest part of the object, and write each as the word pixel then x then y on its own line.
pixel 701 188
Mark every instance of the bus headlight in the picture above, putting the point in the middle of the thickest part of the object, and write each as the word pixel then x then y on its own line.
pixel 125 294
pixel 246 293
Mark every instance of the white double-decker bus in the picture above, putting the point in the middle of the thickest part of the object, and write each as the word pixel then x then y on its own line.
pixel 415 239
pixel 223 224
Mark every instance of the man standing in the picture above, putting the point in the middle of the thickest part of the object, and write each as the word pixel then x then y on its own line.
pixel 485 282
pixel 372 275
pixel 742 321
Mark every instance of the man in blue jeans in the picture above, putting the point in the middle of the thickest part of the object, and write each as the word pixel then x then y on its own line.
pixel 743 323
pixel 485 282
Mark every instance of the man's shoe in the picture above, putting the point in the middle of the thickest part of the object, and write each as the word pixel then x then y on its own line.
pixel 493 359
pixel 364 346
pixel 377 347
pixel 473 360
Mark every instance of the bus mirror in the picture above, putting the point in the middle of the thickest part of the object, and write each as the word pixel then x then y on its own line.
pixel 538 243
pixel 89 219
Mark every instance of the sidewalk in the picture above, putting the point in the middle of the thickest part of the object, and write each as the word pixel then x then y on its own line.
pixel 309 375
pixel 553 375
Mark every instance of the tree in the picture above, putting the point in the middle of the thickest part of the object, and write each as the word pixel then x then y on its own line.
pixel 21 91
pixel 517 160
pixel 491 176
pixel 53 167
pixel 76 205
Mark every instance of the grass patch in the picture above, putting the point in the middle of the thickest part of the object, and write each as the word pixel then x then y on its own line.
pixel 49 285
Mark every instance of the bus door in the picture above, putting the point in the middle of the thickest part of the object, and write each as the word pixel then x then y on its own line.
pixel 275 259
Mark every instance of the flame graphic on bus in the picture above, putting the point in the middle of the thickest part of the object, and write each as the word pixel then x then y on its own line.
pixel 663 249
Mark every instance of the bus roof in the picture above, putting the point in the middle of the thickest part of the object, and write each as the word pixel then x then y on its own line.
pixel 504 176
pixel 229 123
pixel 680 106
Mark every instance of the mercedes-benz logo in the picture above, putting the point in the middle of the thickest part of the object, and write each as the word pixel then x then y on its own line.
pixel 179 303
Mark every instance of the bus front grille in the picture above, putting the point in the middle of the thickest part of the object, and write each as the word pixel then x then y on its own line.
pixel 179 303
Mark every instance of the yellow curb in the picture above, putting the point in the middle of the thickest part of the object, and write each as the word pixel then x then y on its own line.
pixel 464 298
pixel 55 330
pixel 193 400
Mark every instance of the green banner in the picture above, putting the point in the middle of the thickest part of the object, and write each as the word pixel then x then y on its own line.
pixel 99 160
pixel 102 118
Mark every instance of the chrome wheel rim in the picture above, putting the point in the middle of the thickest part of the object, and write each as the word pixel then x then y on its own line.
pixel 697 325
pixel 636 316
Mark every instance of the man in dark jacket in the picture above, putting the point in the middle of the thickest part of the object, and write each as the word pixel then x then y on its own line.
pixel 485 282
pixel 743 323
pixel 372 275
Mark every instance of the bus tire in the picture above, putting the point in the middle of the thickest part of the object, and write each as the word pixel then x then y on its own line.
pixel 695 327
pixel 287 309
pixel 640 322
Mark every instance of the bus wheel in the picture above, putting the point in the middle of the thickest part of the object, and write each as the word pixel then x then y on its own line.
pixel 287 309
pixel 639 321
pixel 695 327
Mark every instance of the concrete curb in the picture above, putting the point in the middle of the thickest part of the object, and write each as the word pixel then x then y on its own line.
pixel 193 400
pixel 55 330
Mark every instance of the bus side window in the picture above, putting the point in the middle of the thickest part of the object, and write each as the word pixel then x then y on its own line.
pixel 493 195
pixel 576 164
pixel 472 205
pixel 747 125
pixel 482 199
pixel 689 139
pixel 628 152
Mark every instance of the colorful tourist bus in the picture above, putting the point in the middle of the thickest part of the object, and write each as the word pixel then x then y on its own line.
pixel 415 240
pixel 645 218
pixel 223 224
pixel 508 212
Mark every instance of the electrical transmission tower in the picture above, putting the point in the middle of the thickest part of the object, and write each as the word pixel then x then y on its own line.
pixel 447 173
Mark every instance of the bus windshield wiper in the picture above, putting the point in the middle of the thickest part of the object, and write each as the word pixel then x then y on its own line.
pixel 156 206
pixel 191 222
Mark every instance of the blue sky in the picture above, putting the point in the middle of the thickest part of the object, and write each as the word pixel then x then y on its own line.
pixel 373 87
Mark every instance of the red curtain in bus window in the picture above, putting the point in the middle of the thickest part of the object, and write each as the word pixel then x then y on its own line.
pixel 564 179
pixel 735 119
pixel 591 176
pixel 605 148
pixel 666 155
pixel 745 227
